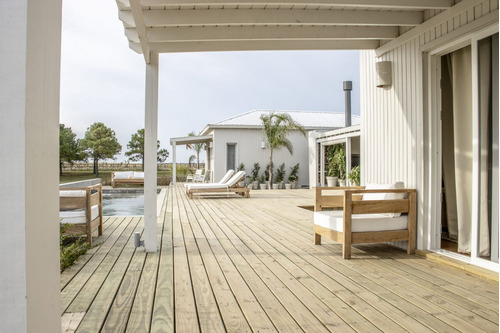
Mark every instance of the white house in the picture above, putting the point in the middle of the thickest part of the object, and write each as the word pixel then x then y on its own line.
pixel 435 48
pixel 240 139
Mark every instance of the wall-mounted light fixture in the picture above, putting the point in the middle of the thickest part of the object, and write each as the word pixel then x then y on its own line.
pixel 211 144
pixel 263 145
pixel 384 74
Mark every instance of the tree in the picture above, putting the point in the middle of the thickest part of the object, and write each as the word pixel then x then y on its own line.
pixel 136 149
pixel 100 142
pixel 197 147
pixel 70 149
pixel 276 127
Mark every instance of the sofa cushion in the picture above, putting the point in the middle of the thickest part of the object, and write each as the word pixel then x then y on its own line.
pixel 124 175
pixel 138 175
pixel 385 196
pixel 334 220
pixel 73 193
pixel 78 215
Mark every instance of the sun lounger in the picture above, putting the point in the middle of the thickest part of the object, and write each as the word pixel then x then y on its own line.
pixel 376 214
pixel 230 186
pixel 223 180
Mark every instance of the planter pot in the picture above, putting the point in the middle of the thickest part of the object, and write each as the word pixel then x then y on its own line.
pixel 331 181
pixel 342 183
pixel 288 186
pixel 263 186
pixel 241 184
pixel 255 185
pixel 294 184
pixel 276 186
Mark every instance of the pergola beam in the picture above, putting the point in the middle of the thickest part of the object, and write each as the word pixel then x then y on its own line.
pixel 204 17
pixel 190 34
pixel 393 4
pixel 265 45
pixel 140 28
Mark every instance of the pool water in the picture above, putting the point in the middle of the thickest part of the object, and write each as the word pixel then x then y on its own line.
pixel 122 203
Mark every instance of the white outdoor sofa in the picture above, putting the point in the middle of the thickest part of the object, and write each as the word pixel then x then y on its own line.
pixel 127 178
pixel 81 208
pixel 376 213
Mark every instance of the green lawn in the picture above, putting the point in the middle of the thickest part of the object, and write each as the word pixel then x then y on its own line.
pixel 164 176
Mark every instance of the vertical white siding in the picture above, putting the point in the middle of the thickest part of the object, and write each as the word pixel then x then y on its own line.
pixel 249 151
pixel 393 142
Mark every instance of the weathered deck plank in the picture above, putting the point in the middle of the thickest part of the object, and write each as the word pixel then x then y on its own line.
pixel 249 264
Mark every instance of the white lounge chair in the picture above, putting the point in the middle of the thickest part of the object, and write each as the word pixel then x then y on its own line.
pixel 223 180
pixel 196 176
pixel 230 186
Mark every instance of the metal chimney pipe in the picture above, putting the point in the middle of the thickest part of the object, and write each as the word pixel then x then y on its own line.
pixel 347 89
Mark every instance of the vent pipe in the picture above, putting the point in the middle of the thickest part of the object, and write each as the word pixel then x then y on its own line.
pixel 347 89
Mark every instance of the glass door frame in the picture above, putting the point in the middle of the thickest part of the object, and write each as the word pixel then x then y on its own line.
pixel 433 59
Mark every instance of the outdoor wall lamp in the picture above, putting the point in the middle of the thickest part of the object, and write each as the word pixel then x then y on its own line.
pixel 384 74
pixel 263 145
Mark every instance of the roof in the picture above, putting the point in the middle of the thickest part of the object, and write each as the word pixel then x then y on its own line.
pixel 220 25
pixel 310 120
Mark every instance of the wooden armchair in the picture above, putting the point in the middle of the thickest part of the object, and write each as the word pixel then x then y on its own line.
pixel 375 214
pixel 81 207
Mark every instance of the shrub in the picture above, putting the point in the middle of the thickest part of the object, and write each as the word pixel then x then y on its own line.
pixel 71 247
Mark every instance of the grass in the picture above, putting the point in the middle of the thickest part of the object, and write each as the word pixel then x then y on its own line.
pixel 71 247
pixel 164 176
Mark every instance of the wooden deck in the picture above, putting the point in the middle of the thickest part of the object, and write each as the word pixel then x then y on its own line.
pixel 232 264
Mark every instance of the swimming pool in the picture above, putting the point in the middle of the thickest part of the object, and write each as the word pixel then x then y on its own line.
pixel 123 203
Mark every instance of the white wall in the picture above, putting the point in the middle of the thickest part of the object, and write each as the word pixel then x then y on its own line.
pixel 29 142
pixel 394 144
pixel 249 151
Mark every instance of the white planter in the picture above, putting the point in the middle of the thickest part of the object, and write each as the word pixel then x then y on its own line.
pixel 331 181
pixel 241 184
pixel 255 185
pixel 342 183
pixel 288 186
pixel 263 186
pixel 276 186
pixel 294 184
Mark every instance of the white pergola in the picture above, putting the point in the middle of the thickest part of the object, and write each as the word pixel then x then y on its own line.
pixel 185 141
pixel 160 26
pixel 29 104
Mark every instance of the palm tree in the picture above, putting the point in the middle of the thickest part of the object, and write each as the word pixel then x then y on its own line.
pixel 197 147
pixel 276 128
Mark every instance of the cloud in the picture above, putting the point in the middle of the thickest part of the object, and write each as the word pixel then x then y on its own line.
pixel 103 80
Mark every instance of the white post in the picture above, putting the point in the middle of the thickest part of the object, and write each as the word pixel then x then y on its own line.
pixel 322 165
pixel 150 152
pixel 348 154
pixel 29 155
pixel 174 163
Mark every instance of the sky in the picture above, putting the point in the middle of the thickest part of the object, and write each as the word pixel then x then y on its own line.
pixel 103 80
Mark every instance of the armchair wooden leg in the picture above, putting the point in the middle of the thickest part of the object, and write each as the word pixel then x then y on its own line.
pixel 317 239
pixel 346 251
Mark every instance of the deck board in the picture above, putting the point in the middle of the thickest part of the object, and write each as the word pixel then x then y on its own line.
pixel 232 264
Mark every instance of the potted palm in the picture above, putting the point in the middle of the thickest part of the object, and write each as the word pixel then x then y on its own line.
pixel 254 176
pixel 339 163
pixel 276 128
pixel 241 167
pixel 262 182
pixel 280 175
pixel 354 176
pixel 294 175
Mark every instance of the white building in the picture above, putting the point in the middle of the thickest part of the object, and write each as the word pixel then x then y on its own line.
pixel 404 123
pixel 240 139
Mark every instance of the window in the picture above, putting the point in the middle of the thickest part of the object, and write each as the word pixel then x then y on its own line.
pixel 231 156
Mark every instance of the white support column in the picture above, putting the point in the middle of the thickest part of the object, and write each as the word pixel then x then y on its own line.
pixel 30 53
pixel 348 155
pixel 322 165
pixel 174 163
pixel 150 152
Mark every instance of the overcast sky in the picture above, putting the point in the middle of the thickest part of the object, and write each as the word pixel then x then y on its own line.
pixel 102 80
